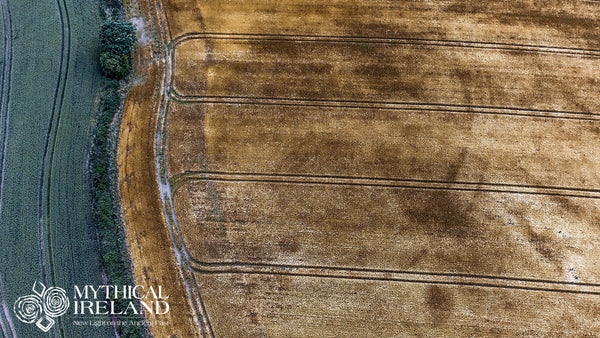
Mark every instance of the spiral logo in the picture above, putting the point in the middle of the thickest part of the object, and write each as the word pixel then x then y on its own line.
pixel 56 302
pixel 40 307
pixel 28 308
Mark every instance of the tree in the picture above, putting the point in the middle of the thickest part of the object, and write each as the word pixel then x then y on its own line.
pixel 114 65
pixel 117 37
pixel 114 4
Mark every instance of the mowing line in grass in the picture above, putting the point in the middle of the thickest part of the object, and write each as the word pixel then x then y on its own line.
pixel 5 84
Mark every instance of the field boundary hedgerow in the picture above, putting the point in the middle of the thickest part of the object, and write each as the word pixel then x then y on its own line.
pixel 113 248
pixel 111 235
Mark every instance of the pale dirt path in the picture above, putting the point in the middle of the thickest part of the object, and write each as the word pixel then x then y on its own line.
pixel 149 242
pixel 181 254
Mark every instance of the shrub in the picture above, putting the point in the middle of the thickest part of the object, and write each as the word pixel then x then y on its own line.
pixel 114 4
pixel 117 37
pixel 111 103
pixel 115 66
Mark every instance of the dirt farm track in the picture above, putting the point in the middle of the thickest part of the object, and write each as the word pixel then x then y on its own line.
pixel 368 168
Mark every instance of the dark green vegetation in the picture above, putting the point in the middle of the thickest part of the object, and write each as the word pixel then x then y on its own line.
pixel 115 66
pixel 117 39
pixel 113 4
pixel 50 83
pixel 110 232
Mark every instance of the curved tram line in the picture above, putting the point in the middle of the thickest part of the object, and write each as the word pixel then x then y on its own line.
pixel 528 284
pixel 383 105
pixel 388 40
pixel 192 289
pixel 48 156
pixel 440 278
pixel 366 104
pixel 525 189
pixel 5 84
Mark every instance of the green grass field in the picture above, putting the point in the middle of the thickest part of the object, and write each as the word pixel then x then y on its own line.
pixel 46 233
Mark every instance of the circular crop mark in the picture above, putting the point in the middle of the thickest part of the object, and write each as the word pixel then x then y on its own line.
pixel 28 308
pixel 56 302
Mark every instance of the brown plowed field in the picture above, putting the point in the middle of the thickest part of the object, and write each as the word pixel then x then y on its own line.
pixel 549 22
pixel 287 306
pixel 385 168
pixel 386 72
pixel 418 144
pixel 405 229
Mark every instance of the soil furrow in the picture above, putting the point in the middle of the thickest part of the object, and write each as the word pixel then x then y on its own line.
pixel 405 277
pixel 401 106
pixel 394 183
pixel 388 40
